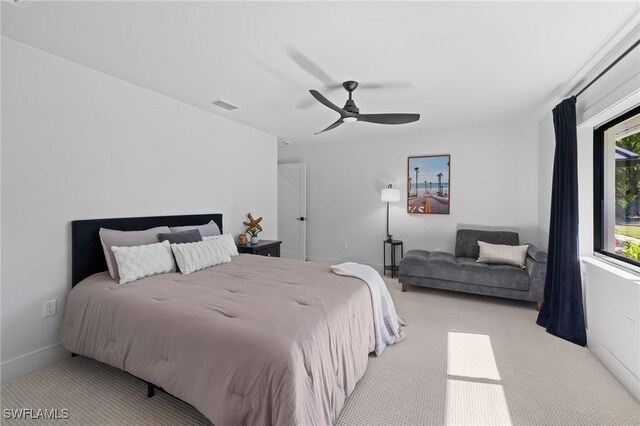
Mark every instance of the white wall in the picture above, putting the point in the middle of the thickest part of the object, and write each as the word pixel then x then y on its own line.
pixel 546 150
pixel 494 178
pixel 78 144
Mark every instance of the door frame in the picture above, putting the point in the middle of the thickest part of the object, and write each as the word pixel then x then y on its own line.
pixel 302 167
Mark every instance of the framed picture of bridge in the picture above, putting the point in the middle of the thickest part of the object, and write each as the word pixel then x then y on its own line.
pixel 429 184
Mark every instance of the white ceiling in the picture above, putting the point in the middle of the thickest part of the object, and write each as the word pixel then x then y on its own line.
pixel 466 63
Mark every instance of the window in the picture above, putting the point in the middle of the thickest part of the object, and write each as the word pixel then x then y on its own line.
pixel 617 188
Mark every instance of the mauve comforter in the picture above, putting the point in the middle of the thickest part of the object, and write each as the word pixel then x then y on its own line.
pixel 258 341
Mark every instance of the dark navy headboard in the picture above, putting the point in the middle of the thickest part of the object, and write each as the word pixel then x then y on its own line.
pixel 87 257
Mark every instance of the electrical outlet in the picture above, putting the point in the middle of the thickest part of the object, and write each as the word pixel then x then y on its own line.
pixel 345 245
pixel 49 308
pixel 630 328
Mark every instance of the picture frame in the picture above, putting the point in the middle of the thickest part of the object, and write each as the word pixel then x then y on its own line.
pixel 429 184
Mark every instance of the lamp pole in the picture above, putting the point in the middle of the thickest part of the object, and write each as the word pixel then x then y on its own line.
pixel 388 214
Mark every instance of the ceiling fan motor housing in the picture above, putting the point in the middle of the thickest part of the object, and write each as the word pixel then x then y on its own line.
pixel 350 85
pixel 351 107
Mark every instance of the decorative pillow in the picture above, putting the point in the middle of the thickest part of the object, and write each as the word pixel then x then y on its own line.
pixel 181 237
pixel 208 230
pixel 193 257
pixel 111 237
pixel 228 242
pixel 501 254
pixel 143 261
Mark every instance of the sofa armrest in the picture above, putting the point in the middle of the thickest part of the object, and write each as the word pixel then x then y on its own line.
pixel 537 274
pixel 536 254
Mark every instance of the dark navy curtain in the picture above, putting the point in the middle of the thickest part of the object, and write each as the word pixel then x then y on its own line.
pixel 562 312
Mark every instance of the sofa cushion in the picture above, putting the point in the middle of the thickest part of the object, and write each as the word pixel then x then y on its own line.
pixel 467 241
pixel 416 256
pixel 501 276
pixel 445 266
pixel 417 262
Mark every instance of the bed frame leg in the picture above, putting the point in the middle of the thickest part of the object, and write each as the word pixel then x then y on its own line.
pixel 538 305
pixel 404 287
pixel 151 390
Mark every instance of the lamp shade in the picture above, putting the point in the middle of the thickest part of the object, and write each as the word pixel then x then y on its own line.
pixel 390 195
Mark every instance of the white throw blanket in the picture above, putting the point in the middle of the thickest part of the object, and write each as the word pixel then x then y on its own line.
pixel 385 320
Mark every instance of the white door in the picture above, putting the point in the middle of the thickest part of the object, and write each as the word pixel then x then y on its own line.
pixel 292 210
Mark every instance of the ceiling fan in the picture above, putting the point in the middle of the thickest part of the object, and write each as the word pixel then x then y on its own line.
pixel 350 113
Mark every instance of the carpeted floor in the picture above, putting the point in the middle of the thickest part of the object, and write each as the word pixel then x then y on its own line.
pixel 466 360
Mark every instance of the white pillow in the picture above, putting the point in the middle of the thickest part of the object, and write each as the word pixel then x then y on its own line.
pixel 112 237
pixel 228 242
pixel 502 254
pixel 137 262
pixel 193 257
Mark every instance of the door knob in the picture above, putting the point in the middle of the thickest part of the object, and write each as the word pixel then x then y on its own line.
pixel 301 218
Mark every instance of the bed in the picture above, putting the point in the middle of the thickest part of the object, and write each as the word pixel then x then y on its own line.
pixel 256 341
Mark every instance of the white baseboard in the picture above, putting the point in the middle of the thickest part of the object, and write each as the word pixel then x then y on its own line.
pixel 626 378
pixel 32 361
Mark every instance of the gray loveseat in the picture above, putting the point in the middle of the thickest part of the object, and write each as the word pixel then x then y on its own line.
pixel 462 273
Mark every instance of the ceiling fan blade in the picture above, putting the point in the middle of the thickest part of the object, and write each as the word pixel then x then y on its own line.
pixel 309 66
pixel 389 118
pixel 326 102
pixel 307 102
pixel 384 85
pixel 333 126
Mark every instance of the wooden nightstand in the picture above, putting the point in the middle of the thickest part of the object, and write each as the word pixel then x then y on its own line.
pixel 263 248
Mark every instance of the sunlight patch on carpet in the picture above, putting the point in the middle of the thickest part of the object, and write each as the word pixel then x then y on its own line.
pixel 473 403
pixel 471 355
pixel 475 395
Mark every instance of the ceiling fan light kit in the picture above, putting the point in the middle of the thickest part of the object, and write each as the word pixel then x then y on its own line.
pixel 350 113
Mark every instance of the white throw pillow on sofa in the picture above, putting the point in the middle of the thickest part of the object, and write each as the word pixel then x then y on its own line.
pixel 502 254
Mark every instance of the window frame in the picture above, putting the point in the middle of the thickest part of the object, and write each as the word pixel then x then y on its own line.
pixel 599 189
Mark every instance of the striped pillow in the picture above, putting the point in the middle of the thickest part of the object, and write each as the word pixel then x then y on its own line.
pixel 228 242
pixel 501 254
pixel 192 257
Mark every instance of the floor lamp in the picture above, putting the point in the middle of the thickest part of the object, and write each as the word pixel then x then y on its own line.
pixel 390 195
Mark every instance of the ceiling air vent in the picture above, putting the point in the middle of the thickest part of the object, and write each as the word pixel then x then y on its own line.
pixel 21 3
pixel 224 104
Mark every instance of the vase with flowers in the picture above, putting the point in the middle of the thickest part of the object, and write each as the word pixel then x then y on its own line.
pixel 253 232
